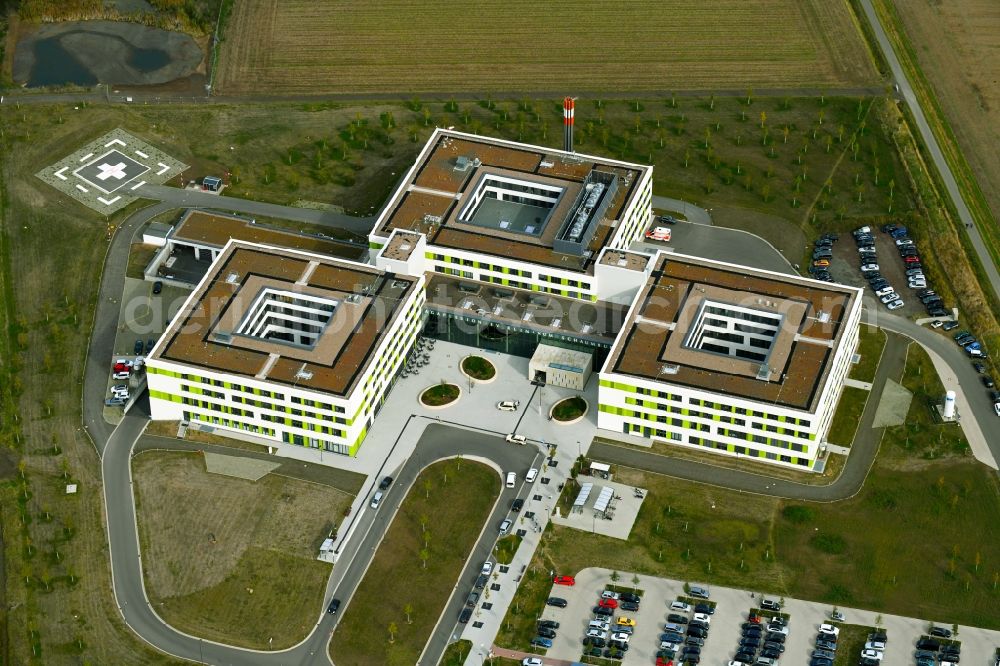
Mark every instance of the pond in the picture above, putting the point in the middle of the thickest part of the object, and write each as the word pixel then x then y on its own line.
pixel 85 53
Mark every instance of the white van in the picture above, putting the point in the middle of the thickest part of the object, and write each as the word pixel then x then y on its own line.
pixel 511 479
pixel 508 405
pixel 516 439
pixel 530 476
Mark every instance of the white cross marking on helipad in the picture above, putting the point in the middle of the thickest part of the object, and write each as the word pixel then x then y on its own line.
pixel 111 170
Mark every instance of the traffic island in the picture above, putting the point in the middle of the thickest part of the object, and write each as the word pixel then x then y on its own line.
pixel 569 411
pixel 479 369
pixel 440 395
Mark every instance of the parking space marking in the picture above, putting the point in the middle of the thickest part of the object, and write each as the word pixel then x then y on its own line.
pixel 163 168
pixel 113 142
pixel 59 174
pixel 107 202
pixel 138 185
pixel 86 157
pixel 81 188
pixel 141 154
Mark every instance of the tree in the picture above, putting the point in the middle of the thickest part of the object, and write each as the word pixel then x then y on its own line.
pixel 427 538
pixel 427 488
pixel 424 555
pixel 635 583
pixel 784 131
pixel 749 96
pixel 615 576
pixel 424 519
pixel 392 632
pixel 408 611
pixel 763 119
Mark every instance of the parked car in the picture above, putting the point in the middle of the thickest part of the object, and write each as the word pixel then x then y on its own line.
pixel 487 568
pixel 629 606
pixel 157 287
pixel 677 619
pixel 541 641
pixel 942 632
pixel 951 325
pixel 137 347
pixel 707 609
pixel 608 603
pixel 505 526
pixel 698 592
pixel 556 602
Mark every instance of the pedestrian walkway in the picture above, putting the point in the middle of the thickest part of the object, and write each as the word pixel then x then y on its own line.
pixel 855 383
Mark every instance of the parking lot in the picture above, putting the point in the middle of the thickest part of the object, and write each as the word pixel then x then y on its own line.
pixel 731 611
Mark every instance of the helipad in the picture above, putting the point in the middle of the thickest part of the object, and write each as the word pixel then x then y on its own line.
pixel 106 173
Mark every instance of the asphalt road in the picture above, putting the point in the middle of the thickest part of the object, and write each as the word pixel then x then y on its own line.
pixel 849 482
pixel 933 147
pixel 178 198
pixel 693 213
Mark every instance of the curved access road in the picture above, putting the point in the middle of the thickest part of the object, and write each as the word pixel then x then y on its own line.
pixel 437 442
pixel 933 147
pixel 694 214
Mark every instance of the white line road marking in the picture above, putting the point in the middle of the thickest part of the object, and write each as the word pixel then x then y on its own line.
pixel 59 174
pixel 113 142
pixel 163 170
pixel 138 185
pixel 82 188
pixel 140 153
pixel 86 157
pixel 107 202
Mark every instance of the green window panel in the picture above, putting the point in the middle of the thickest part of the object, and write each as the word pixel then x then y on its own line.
pixel 374 246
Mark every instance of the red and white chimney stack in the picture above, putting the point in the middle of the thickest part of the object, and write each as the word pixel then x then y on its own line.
pixel 569 108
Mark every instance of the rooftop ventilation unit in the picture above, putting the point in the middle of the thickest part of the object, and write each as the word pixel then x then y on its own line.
pixel 232 278
pixel 303 374
pixel 353 298
pixel 823 317
pixel 224 338
pixel 764 372
pixel 670 369
pixel 400 284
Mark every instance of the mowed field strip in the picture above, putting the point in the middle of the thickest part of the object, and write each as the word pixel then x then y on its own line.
pixel 303 46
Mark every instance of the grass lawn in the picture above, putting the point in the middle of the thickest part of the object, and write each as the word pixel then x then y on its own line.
pixel 871 342
pixel 848 416
pixel 922 435
pixel 255 544
pixel 456 653
pixel 507 547
pixel 440 394
pixel 443 524
pixel 478 367
pixel 850 642
pixel 868 551
pixel 139 257
pixel 569 409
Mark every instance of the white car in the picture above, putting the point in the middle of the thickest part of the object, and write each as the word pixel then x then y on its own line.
pixel 680 606
pixel 594 632
pixel 531 661
pixel 903 242
pixel 608 594
pixel 487 568
pixel 505 527
pixel 599 625
pixel 866 248
pixel 376 499
pixel 894 305
pixel 620 636
pixel 874 645
pixel 917 284
pixel 872 654
pixel 659 234
pixel 736 663
pixel 884 290
pixel 530 478
pixel 829 629
pixel 891 296
pixel 508 405
pixel 777 629
pixel 703 617
pixel 937 324
pixel 666 645
pixel 996 408
pixel 869 267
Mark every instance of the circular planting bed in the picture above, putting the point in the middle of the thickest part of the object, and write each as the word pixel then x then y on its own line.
pixel 569 410
pixel 478 368
pixel 440 396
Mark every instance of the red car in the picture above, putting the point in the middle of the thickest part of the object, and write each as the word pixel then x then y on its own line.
pixel 911 260
pixel 564 580
pixel 753 617
pixel 607 603
pixel 663 661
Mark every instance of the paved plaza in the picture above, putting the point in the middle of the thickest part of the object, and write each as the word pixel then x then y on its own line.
pixel 105 173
